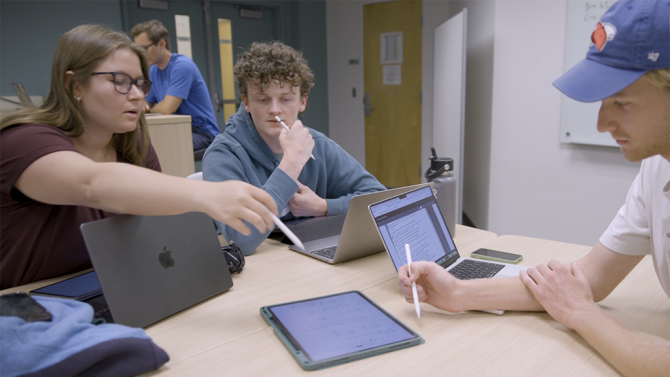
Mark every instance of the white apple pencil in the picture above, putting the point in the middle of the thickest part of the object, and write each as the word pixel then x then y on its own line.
pixel 415 296
pixel 287 129
pixel 288 233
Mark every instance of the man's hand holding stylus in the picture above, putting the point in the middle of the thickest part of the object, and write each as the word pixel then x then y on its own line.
pixel 297 146
pixel 434 285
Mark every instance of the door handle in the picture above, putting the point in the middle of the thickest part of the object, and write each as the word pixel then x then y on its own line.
pixel 217 101
pixel 220 102
pixel 366 104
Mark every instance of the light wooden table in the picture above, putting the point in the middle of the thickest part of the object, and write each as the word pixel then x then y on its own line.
pixel 273 274
pixel 172 139
pixel 227 333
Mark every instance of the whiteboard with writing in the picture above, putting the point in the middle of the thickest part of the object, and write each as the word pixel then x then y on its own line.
pixel 579 119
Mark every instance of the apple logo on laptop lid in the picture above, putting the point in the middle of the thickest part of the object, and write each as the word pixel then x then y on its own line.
pixel 165 259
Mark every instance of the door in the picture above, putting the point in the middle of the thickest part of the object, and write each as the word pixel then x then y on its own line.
pixel 233 32
pixel 243 31
pixel 392 85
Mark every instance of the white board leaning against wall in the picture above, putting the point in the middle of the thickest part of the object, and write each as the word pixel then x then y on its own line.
pixel 449 96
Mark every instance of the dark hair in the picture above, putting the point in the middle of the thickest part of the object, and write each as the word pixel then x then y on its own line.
pixel 81 50
pixel 263 63
pixel 155 31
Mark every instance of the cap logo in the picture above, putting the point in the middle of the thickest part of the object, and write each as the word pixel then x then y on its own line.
pixel 602 33
pixel 653 56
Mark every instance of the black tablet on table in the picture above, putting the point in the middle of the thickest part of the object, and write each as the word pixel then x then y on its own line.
pixel 330 330
pixel 78 287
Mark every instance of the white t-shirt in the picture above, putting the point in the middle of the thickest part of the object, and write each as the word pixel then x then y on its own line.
pixel 642 225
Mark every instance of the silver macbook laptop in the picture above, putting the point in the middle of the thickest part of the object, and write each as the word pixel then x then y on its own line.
pixel 414 218
pixel 358 237
pixel 151 267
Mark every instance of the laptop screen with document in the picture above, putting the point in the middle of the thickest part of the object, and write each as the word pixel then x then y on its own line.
pixel 415 219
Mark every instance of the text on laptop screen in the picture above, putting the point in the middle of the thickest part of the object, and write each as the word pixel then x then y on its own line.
pixel 415 219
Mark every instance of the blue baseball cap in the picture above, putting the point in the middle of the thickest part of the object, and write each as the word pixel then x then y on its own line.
pixel 632 38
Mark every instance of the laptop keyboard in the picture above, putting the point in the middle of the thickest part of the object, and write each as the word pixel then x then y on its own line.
pixel 104 314
pixel 470 269
pixel 326 252
pixel 100 308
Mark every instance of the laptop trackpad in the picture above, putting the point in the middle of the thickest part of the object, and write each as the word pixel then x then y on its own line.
pixel 510 270
pixel 320 244
pixel 314 228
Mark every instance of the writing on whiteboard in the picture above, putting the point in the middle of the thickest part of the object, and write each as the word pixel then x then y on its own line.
pixel 578 119
pixel 593 10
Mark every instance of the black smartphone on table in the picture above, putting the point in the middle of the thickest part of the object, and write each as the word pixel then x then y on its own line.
pixel 21 305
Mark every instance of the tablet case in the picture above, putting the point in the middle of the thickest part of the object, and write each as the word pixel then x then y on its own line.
pixel 307 364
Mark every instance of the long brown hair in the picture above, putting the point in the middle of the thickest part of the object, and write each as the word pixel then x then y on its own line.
pixel 81 50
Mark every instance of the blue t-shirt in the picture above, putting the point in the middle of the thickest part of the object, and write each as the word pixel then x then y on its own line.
pixel 181 78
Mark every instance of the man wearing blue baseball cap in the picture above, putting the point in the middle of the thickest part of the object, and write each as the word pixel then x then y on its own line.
pixel 627 67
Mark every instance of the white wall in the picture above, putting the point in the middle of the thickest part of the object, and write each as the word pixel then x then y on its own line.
pixel 540 187
pixel 519 179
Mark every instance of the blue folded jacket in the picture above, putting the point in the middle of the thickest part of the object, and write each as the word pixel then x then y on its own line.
pixel 71 345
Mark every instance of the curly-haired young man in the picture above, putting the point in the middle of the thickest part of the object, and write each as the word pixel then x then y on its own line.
pixel 274 81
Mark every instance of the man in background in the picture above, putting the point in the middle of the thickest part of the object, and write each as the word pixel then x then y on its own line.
pixel 177 86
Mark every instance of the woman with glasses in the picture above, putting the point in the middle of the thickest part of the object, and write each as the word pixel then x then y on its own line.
pixel 85 154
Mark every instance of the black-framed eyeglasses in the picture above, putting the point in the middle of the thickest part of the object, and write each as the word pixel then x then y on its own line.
pixel 123 83
pixel 146 47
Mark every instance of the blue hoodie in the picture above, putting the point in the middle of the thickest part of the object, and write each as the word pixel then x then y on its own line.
pixel 70 345
pixel 241 154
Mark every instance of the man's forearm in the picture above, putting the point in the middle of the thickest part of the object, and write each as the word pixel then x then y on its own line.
pixel 631 353
pixel 492 294
pixel 168 105
pixel 291 168
pixel 160 108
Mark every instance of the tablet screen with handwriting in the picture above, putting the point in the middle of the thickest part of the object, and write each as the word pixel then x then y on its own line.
pixel 330 330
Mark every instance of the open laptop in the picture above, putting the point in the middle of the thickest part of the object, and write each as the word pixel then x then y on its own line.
pixel 414 218
pixel 151 267
pixel 346 237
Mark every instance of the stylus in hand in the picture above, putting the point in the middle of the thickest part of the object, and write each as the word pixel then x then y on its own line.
pixel 288 233
pixel 415 296
pixel 287 129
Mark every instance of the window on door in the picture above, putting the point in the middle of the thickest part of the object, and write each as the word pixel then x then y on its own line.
pixel 226 59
